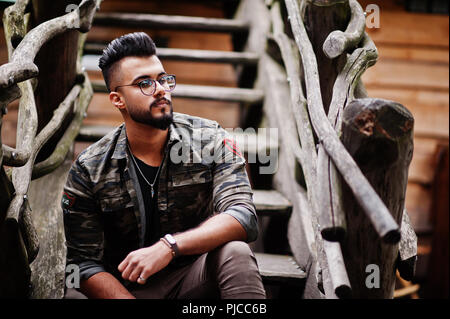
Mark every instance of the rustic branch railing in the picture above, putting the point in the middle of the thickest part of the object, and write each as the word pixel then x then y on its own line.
pixel 380 216
pixel 330 169
pixel 16 79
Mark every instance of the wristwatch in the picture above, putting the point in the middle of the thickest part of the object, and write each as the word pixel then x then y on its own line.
pixel 172 244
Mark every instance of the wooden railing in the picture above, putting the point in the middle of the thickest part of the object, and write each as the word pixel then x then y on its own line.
pixel 350 153
pixel 18 78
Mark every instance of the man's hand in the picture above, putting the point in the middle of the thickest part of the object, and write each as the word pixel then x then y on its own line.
pixel 142 263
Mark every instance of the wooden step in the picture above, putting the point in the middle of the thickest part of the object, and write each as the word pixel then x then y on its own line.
pixel 247 58
pixel 204 92
pixel 159 21
pixel 280 270
pixel 271 203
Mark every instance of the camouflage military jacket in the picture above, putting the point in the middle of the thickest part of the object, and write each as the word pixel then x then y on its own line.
pixel 201 175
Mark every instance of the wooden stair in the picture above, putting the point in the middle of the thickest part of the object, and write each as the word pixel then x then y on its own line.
pixel 212 56
pixel 159 21
pixel 280 269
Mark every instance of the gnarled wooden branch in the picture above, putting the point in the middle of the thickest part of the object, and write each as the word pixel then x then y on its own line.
pixel 332 221
pixel 21 66
pixel 338 42
pixel 27 127
pixel 14 24
pixel 59 154
pixel 21 176
pixel 379 215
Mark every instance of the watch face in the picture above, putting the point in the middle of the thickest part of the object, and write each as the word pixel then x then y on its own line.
pixel 170 239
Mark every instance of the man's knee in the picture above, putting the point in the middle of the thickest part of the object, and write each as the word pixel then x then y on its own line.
pixel 234 252
pixel 236 271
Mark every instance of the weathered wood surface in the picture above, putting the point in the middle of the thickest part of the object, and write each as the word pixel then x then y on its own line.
pixel 17 225
pixel 21 66
pixel 170 22
pixel 56 54
pixel 271 203
pixel 379 215
pixel 338 42
pixel 48 269
pixel 407 249
pixel 321 19
pixel 301 234
pixel 278 269
pixel 378 135
pixel 332 216
pixel 68 138
pixel 315 256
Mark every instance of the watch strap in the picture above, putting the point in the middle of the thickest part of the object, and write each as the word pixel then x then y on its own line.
pixel 170 241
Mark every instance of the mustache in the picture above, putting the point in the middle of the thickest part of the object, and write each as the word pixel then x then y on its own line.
pixel 161 100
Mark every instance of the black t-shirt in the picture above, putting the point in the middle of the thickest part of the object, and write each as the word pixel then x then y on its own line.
pixel 152 234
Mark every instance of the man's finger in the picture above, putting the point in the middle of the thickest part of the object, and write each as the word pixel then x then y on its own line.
pixel 123 265
pixel 136 273
pixel 145 274
pixel 127 271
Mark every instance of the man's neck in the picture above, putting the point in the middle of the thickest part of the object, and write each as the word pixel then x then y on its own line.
pixel 147 142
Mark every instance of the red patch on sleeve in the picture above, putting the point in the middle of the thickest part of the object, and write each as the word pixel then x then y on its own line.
pixel 231 145
pixel 68 200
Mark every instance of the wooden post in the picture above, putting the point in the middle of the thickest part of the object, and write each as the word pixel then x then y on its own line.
pixel 57 69
pixel 322 17
pixel 379 136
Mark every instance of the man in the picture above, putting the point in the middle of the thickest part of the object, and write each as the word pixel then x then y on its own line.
pixel 140 222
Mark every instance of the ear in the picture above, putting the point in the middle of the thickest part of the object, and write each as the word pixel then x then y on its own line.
pixel 117 100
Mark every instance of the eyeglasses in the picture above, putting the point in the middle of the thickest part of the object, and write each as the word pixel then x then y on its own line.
pixel 148 86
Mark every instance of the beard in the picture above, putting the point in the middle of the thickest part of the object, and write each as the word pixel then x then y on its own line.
pixel 146 117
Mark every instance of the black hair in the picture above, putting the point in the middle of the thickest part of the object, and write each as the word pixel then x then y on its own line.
pixel 131 44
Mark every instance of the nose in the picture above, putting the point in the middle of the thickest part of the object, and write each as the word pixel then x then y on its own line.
pixel 159 91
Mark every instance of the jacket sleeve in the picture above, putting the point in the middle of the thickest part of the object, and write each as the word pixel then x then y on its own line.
pixel 82 224
pixel 231 188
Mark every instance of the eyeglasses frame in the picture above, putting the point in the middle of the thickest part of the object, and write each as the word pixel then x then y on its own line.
pixel 154 90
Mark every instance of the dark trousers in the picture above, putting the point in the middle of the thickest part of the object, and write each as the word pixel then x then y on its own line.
pixel 228 272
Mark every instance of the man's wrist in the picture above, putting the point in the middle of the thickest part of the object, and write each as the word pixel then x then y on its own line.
pixel 170 242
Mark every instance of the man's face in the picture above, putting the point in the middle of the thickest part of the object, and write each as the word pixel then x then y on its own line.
pixel 155 110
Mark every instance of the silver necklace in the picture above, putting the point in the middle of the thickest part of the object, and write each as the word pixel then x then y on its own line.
pixel 143 176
